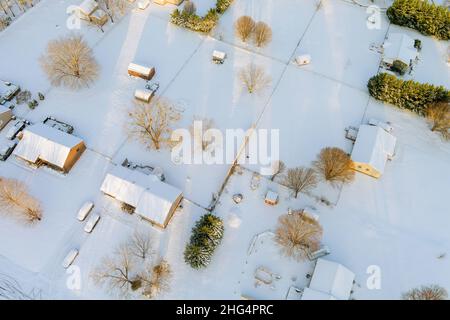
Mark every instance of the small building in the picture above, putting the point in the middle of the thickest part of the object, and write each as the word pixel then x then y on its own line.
pixel 151 198
pixel 143 95
pixel 139 71
pixel 373 147
pixel 398 47
pixel 271 198
pixel 330 281
pixel 5 116
pixel 41 144
pixel 7 91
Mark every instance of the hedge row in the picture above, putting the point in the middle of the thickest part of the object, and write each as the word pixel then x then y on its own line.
pixel 197 23
pixel 206 236
pixel 421 15
pixel 409 94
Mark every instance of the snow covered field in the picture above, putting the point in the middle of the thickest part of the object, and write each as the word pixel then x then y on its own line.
pixel 398 222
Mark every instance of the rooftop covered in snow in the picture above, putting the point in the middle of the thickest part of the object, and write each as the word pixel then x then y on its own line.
pixel 154 200
pixel 50 145
pixel 373 147
pixel 331 281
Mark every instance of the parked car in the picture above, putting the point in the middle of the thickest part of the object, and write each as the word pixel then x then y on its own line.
pixel 70 258
pixel 91 223
pixel 15 129
pixel 6 151
pixel 84 211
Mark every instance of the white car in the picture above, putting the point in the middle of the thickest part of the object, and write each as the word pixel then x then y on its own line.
pixel 91 223
pixel 70 258
pixel 84 211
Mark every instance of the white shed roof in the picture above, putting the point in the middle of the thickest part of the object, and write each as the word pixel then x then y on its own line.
pixel 373 146
pixel 399 47
pixel 88 6
pixel 40 141
pixel 152 198
pixel 332 279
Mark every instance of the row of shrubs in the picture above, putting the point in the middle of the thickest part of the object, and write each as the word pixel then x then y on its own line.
pixel 206 236
pixel 421 15
pixel 411 95
pixel 188 18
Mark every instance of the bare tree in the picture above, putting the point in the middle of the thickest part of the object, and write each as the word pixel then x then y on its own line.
pixel 254 78
pixel 279 168
pixel 198 133
pixel 431 292
pixel 156 280
pixel 152 123
pixel 334 166
pixel 300 180
pixel 262 34
pixel 16 200
pixel 244 27
pixel 141 245
pixel 439 114
pixel 116 273
pixel 298 234
pixel 69 62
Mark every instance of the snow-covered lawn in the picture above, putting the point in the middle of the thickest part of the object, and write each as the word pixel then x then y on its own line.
pixel 288 19
pixel 36 246
pixel 398 222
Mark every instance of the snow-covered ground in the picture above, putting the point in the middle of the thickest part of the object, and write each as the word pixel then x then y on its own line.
pixel 397 222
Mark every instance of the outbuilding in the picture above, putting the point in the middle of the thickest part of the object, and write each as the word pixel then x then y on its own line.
pixel 330 281
pixel 140 71
pixel 41 144
pixel 5 116
pixel 373 147
pixel 399 47
pixel 151 198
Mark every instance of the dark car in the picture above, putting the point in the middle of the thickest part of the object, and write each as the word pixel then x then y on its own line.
pixel 6 151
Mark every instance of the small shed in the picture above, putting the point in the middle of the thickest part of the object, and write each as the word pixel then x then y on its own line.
pixel 143 95
pixel 218 57
pixel 140 71
pixel 5 116
pixel 330 280
pixel 271 198
pixel 43 144
pixel 152 199
pixel 373 147
pixel 7 91
pixel 400 47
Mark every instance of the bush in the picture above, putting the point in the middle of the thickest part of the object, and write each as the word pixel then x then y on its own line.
pixel 400 67
pixel 194 22
pixel 409 94
pixel 222 5
pixel 418 44
pixel 421 15
pixel 190 20
pixel 206 236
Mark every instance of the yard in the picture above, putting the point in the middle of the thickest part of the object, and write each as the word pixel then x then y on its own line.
pixel 398 223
